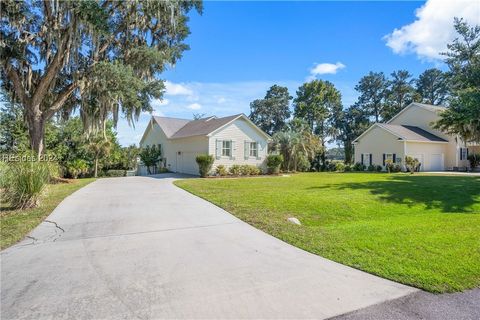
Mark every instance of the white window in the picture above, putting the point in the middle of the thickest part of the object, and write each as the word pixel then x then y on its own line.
pixel 253 149
pixel 463 153
pixel 226 148
pixel 388 158
pixel 366 159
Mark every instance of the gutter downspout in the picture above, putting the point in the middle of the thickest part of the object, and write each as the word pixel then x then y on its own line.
pixel 404 155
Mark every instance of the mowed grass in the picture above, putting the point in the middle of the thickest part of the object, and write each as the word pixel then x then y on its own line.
pixel 16 224
pixel 420 230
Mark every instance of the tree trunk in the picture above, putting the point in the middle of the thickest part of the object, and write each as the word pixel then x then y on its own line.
pixel 36 131
pixel 96 167
pixel 323 156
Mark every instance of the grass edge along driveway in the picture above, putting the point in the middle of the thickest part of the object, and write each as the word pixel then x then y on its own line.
pixel 16 224
pixel 420 230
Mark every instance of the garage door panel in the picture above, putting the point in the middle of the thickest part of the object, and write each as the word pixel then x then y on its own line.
pixel 189 163
pixel 436 162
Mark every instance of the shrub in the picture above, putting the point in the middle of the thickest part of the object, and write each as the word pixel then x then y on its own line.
pixel 235 170
pixel 23 182
pixel 474 160
pixel 379 168
pixel 76 168
pixel 348 168
pixel 371 168
pixel 221 170
pixel 115 173
pixel 359 167
pixel 150 156
pixel 396 168
pixel 412 164
pixel 274 161
pixel 389 165
pixel 340 166
pixel 252 170
pixel 205 162
pixel 303 164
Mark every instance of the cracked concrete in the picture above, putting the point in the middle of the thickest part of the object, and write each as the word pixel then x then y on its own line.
pixel 139 247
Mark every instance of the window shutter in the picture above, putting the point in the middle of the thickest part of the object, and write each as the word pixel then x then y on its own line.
pixel 258 151
pixel 467 152
pixel 384 159
pixel 461 153
pixel 246 150
pixel 218 148
pixel 361 161
pixel 232 145
pixel 394 158
pixel 370 159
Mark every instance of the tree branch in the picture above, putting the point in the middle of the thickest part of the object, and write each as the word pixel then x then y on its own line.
pixel 61 99
pixel 53 68
pixel 12 75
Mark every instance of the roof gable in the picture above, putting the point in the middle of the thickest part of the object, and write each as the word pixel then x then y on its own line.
pixel 428 107
pixel 170 125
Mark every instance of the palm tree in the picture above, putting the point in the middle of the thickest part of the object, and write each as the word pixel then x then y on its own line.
pixel 294 142
pixel 98 146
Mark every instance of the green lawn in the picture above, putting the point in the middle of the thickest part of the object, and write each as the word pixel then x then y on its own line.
pixel 421 230
pixel 16 224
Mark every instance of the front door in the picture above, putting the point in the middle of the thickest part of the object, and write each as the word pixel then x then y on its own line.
pixel 178 162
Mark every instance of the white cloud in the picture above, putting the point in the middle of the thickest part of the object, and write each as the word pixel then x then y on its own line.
pixel 158 103
pixel 429 34
pixel 221 100
pixel 177 89
pixel 194 106
pixel 326 68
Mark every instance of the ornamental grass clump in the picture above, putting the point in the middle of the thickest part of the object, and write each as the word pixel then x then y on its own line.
pixel 23 182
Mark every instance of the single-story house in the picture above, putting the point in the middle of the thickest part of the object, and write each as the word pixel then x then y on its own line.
pixel 411 133
pixel 231 140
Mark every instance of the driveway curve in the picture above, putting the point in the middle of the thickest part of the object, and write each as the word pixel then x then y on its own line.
pixel 141 248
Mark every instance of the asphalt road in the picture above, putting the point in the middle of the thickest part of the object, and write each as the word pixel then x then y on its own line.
pixel 424 306
pixel 141 248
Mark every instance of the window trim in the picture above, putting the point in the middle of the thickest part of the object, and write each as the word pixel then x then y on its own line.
pixel 229 148
pixel 255 148
pixel 366 159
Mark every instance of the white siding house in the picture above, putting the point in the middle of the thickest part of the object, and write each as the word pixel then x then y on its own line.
pixel 411 133
pixel 231 140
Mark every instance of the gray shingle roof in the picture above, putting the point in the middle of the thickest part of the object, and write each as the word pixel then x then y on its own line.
pixel 181 128
pixel 411 133
pixel 170 125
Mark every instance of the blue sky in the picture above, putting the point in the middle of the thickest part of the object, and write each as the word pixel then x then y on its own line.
pixel 239 49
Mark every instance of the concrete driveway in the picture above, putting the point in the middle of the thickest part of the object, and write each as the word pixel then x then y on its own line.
pixel 139 247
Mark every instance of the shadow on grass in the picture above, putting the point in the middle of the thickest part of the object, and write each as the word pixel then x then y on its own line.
pixel 447 193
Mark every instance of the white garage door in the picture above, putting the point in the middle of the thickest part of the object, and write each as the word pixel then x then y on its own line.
pixel 186 162
pixel 436 162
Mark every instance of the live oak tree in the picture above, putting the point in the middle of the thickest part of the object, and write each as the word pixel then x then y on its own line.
pixel 432 86
pixel 318 102
pixel 271 112
pixel 100 57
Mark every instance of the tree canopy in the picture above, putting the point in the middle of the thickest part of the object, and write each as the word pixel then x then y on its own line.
pixel 463 58
pixel 101 57
pixel 271 112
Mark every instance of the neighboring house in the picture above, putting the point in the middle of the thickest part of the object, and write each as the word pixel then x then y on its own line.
pixel 231 140
pixel 410 133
